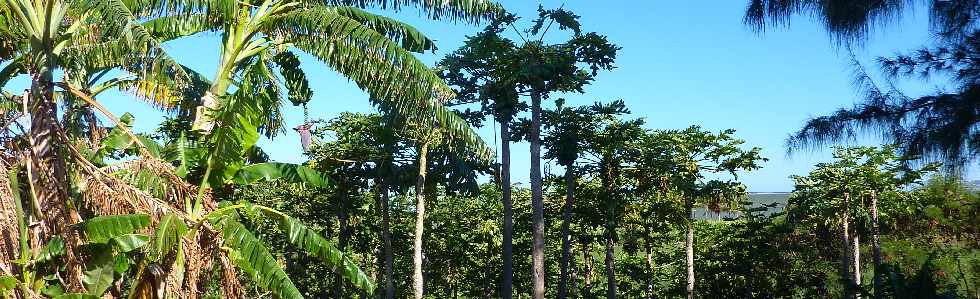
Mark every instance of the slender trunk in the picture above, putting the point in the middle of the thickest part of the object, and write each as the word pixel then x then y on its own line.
pixel 419 220
pixel 648 247
pixel 338 287
pixel 506 283
pixel 845 269
pixel 587 261
pixel 750 267
pixel 857 264
pixel 386 236
pixel 875 245
pixel 689 247
pixel 610 263
pixel 566 241
pixel 488 271
pixel 537 201
pixel 573 289
pixel 609 179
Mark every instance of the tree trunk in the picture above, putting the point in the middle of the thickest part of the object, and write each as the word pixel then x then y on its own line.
pixel 386 236
pixel 857 264
pixel 537 201
pixel 689 247
pixel 338 287
pixel 610 262
pixel 507 279
pixel 609 180
pixel 488 271
pixel 648 247
pixel 573 289
pixel 47 170
pixel 750 266
pixel 875 245
pixel 845 269
pixel 419 220
pixel 566 241
pixel 587 261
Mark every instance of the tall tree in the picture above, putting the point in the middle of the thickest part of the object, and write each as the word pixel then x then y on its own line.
pixel 483 70
pixel 610 144
pixel 548 68
pixel 567 130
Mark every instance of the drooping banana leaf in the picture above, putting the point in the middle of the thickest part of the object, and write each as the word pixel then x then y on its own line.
pixel 292 173
pixel 101 229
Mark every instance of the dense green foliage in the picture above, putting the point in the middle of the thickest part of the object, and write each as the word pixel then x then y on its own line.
pixel 195 209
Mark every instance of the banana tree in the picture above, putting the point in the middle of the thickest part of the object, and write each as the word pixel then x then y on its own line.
pixel 260 37
pixel 43 39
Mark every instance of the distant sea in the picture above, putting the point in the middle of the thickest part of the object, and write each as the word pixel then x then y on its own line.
pixel 757 199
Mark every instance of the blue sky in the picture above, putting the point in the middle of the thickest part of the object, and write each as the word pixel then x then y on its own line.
pixel 682 63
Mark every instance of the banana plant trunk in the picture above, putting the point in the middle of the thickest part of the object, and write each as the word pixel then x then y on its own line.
pixel 566 241
pixel 537 201
pixel 875 245
pixel 689 246
pixel 419 222
pixel 47 169
pixel 846 241
pixel 507 280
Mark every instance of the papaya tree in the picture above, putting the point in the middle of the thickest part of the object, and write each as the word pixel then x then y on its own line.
pixel 686 159
pixel 851 187
pixel 608 146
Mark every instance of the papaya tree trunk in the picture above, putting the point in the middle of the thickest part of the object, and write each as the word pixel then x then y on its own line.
pixel 587 264
pixel 573 289
pixel 537 201
pixel 344 234
pixel 875 246
pixel 750 264
pixel 566 241
pixel 689 247
pixel 857 263
pixel 845 273
pixel 507 279
pixel 609 178
pixel 389 276
pixel 488 269
pixel 419 221
pixel 648 247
